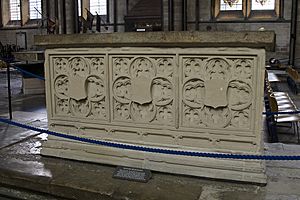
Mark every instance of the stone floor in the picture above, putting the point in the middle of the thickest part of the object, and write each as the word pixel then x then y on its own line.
pixel 25 174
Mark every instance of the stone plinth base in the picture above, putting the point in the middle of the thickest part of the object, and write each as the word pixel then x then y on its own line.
pixel 225 169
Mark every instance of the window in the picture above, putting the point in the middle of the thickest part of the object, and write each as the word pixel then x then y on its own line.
pixel 15 10
pixel 79 7
pixel 246 9
pixel 263 5
pixel 35 9
pixel 98 7
pixel 231 5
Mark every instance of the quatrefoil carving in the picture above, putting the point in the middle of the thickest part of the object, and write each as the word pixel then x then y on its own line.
pixel 142 93
pixel 212 97
pixel 77 89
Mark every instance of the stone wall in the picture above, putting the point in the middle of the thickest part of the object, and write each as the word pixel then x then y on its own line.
pixel 282 28
pixel 31 28
pixel 8 36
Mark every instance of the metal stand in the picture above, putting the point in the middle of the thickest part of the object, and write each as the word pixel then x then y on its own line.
pixel 9 91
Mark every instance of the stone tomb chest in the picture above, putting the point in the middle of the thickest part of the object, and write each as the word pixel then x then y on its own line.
pixel 187 91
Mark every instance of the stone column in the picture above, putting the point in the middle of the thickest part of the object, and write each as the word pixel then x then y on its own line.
pixel 70 16
pixel 25 16
pixel 61 17
pixel 5 15
pixel 165 15
pixel 51 9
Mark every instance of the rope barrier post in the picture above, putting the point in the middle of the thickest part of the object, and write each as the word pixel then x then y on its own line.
pixel 9 90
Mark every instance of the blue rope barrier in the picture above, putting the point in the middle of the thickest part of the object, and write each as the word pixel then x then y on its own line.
pixel 153 150
pixel 29 73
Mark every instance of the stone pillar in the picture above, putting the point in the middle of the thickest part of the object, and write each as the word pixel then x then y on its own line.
pixel 51 9
pixel 5 15
pixel 61 17
pixel 70 16
pixel 25 16
pixel 165 15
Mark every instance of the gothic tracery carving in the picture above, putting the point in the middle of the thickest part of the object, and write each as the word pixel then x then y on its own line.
pixel 144 90
pixel 221 96
pixel 79 86
pixel 216 92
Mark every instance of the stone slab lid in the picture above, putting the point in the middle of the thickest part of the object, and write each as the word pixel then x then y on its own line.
pixel 252 39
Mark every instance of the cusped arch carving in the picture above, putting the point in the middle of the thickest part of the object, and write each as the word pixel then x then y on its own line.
pixel 60 65
pixel 148 89
pixel 95 88
pixel 122 89
pixel 78 66
pixel 61 86
pixel 217 68
pixel 142 66
pixel 77 91
pixel 194 93
pixel 239 95
pixel 218 94
pixel 162 91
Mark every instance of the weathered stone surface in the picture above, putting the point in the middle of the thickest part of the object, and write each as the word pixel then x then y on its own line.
pixel 29 55
pixel 192 99
pixel 253 39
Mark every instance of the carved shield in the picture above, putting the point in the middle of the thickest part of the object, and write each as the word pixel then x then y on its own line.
pixel 77 88
pixel 141 90
pixel 216 93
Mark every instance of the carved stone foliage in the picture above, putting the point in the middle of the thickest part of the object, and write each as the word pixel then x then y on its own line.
pixel 217 92
pixel 143 89
pixel 79 87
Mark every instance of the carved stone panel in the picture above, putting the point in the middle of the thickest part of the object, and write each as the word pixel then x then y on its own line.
pixel 143 89
pixel 80 87
pixel 189 99
pixel 217 92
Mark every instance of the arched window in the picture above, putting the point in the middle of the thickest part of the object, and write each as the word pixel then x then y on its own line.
pixel 15 10
pixel 231 5
pixel 246 9
pixel 98 6
pixel 35 9
pixel 263 5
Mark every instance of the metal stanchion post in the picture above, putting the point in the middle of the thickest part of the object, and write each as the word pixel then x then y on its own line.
pixel 9 91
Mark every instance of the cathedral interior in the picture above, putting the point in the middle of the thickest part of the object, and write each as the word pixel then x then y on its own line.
pixel 150 100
